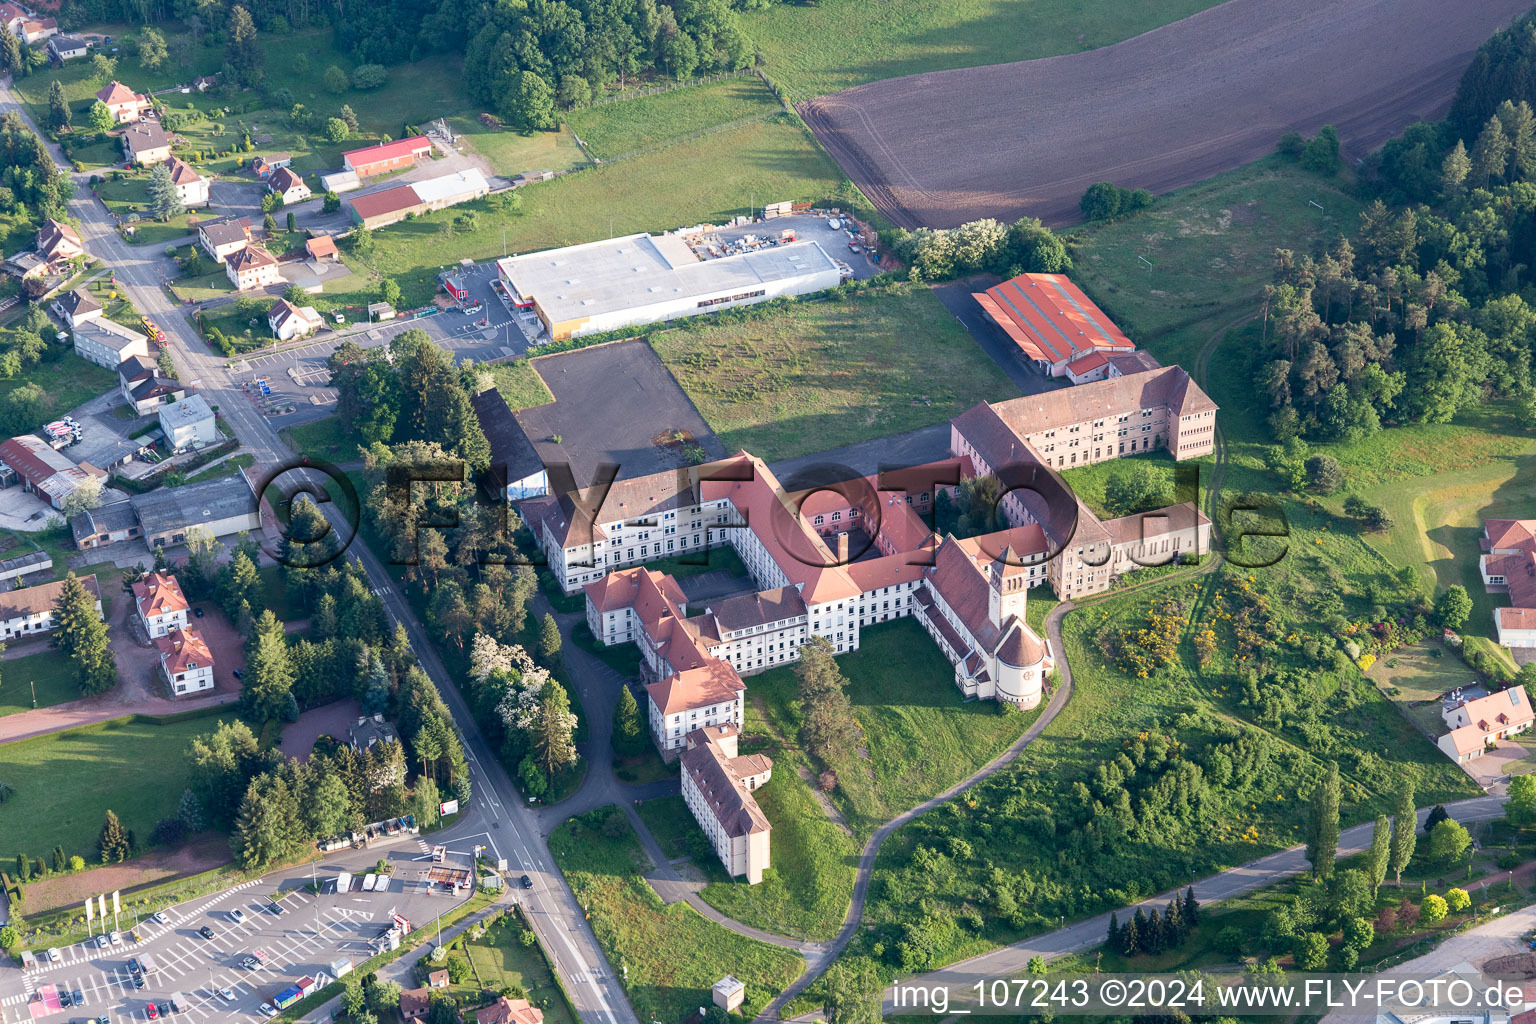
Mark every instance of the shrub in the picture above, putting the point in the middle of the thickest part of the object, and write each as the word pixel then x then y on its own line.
pixel 1230 941
pixel 1457 900
pixel 1432 909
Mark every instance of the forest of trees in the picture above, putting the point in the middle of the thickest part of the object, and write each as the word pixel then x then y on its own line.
pixel 1422 313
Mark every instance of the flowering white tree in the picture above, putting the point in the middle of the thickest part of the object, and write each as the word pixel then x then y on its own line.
pixel 519 708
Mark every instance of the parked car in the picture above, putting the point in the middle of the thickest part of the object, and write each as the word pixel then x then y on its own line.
pixel 267 1010
pixel 238 674
pixel 54 955
pixel 250 963
pixel 152 1012
pixel 138 981
pixel 237 915
pixel 205 932
pixel 226 995
pixel 338 316
pixel 78 997
pixel 160 918
pixel 198 612
pixel 65 999
pixel 133 966
pixel 275 909
pixel 117 938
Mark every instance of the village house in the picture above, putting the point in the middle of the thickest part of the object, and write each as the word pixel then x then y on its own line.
pixel 321 247
pixel 186 663
pixel 62 48
pixel 288 186
pixel 187 423
pixel 57 243
pixel 160 604
pixel 221 239
pixel 1508 566
pixel 251 267
pixel 35 30
pixel 76 306
pixel 267 165
pixel 143 388
pixel 124 104
pixel 717 787
pixel 12 17
pixel 414 1003
pixel 191 187
pixel 145 143
pixel 30 610
pixel 507 1010
pixel 288 321
pixel 202 83
pixel 108 343
pixel 109 524
pixel 1477 725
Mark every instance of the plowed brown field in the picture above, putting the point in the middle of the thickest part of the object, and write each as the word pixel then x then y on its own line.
pixel 1165 109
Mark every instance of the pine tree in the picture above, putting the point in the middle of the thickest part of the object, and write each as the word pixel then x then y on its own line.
pixel 1140 921
pixel 1490 153
pixel 1114 939
pixel 164 200
pixel 113 841
pixel 1405 828
pixel 58 106
pixel 11 58
pixel 1130 937
pixel 60 862
pixel 553 744
pixel 549 641
pixel 1173 922
pixel 1155 941
pixel 190 811
pixel 827 722
pixel 1454 169
pixel 1191 909
pixel 242 51
pixel 1520 129
pixel 628 735
pixel 1323 827
pixel 269 672
pixel 81 635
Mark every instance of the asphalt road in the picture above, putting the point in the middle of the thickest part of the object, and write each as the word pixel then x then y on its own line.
pixel 496 809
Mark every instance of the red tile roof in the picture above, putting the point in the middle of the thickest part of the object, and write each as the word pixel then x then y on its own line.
pixel 1050 318
pixel 320 246
pixel 1087 363
pixel 714 682
pixel 411 146
pixel 718 779
pixel 390 200
pixel 182 172
pixel 251 256
pixel 159 594
pixel 115 92
pixel 182 650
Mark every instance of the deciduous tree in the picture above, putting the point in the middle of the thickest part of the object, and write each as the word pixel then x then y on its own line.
pixel 1323 824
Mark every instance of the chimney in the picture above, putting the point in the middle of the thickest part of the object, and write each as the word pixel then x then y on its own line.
pixel 842 548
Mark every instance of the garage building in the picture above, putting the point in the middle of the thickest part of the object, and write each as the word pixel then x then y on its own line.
pixel 644 279
pixel 220 506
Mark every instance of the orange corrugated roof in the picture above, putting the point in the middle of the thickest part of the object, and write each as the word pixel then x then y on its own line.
pixel 1050 318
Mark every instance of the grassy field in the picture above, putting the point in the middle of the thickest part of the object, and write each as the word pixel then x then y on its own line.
pixel 671 953
pixel 777 159
pixel 46 676
pixel 66 379
pixel 807 890
pixel 816 48
pixel 513 152
pixel 500 959
pixel 520 384
pixel 1212 249
pixel 920 736
pixel 814 375
pixel 322 439
pixel 615 129
pixel 209 285
pixel 126 193
pixel 66 782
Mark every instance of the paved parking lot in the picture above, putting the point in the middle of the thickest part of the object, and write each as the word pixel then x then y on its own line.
pixel 297 376
pixel 313 931
pixel 810 229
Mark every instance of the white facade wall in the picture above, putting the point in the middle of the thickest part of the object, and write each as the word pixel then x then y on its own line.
pixel 191 681
pixel 160 625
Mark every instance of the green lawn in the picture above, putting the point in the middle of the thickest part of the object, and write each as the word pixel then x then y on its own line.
pixel 807 890
pixel 816 48
pixel 46 676
pixel 772 160
pixel 1088 482
pixel 671 954
pixel 512 152
pixel 617 129
pixel 920 736
pixel 126 193
pixel 673 827
pixel 322 439
pixel 520 384
pixel 807 376
pixel 500 959
pixel 66 379
pixel 229 467
pixel 209 285
pixel 1212 249
pixel 66 782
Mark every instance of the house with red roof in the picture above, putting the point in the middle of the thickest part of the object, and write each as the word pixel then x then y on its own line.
pixel 124 104
pixel 186 662
pixel 1055 326
pixel 160 604
pixel 1477 725
pixel 1508 566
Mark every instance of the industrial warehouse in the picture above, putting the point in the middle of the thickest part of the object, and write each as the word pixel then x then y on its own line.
pixel 377 209
pixel 643 279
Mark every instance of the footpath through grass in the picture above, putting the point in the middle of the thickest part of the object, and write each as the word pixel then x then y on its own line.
pixel 66 782
pixel 616 129
pixel 803 377
pixel 814 49
pixel 672 955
